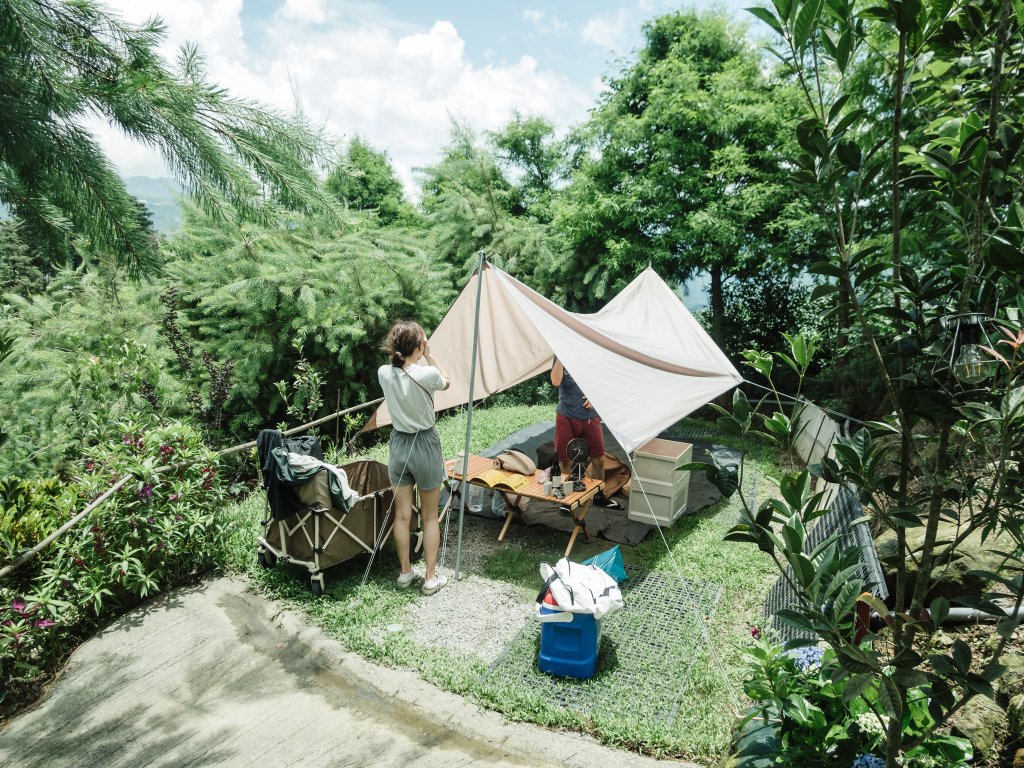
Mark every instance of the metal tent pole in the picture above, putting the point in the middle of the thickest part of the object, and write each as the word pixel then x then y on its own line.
pixel 469 412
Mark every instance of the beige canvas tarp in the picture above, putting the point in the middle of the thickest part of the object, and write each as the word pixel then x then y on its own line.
pixel 643 360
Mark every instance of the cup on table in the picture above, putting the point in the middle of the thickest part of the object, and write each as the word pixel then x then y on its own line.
pixel 567 487
pixel 547 487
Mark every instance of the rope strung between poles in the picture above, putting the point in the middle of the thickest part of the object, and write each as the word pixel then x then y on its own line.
pixel 829 411
pixel 30 554
pixel 720 666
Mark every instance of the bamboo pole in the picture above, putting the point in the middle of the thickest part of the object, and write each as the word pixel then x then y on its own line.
pixel 303 427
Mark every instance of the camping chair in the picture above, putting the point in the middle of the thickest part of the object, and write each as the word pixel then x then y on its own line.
pixel 304 525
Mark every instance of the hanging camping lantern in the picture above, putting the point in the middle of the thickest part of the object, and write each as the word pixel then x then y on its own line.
pixel 973 364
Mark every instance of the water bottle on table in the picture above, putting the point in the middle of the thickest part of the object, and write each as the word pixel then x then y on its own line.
pixel 475 499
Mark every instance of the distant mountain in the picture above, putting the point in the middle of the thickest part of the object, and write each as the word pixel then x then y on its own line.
pixel 160 196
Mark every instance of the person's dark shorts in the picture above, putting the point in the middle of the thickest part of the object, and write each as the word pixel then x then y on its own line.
pixel 589 429
pixel 416 457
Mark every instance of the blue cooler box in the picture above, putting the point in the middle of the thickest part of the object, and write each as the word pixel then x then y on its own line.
pixel 568 642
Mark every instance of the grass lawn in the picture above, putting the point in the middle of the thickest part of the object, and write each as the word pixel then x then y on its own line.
pixel 693 548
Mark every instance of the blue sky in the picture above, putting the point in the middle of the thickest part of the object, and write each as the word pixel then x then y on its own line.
pixel 397 73
pixel 500 33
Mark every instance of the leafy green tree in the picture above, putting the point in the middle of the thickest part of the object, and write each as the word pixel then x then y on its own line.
pixel 82 357
pixel 527 145
pixel 268 298
pixel 943 461
pixel 366 181
pixel 64 61
pixel 19 271
pixel 685 169
pixel 471 205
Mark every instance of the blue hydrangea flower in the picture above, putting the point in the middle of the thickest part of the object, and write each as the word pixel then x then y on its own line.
pixel 807 658
pixel 867 761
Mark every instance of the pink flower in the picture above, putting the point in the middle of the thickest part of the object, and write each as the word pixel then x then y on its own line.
pixel 755 632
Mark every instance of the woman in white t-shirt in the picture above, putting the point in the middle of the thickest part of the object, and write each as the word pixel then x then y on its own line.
pixel 415 459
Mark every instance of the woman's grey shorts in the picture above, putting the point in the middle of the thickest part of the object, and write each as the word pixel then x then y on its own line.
pixel 416 457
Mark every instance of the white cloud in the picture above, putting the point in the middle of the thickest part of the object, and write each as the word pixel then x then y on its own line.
pixel 215 25
pixel 544 23
pixel 396 90
pixel 303 11
pixel 611 32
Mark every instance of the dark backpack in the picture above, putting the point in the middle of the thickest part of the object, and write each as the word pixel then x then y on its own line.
pixel 307 445
pixel 546 455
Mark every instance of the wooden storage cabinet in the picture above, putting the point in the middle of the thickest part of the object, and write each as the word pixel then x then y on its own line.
pixel 658 487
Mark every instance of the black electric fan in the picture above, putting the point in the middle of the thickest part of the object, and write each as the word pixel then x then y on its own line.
pixel 579 452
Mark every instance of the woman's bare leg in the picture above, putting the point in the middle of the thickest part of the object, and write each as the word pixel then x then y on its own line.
pixel 400 530
pixel 431 529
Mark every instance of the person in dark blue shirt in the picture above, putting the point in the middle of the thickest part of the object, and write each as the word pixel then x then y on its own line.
pixel 576 417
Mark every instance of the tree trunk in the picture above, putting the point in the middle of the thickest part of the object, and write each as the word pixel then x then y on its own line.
pixel 717 306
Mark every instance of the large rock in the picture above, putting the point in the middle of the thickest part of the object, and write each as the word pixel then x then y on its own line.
pixel 1015 717
pixel 953 578
pixel 1011 682
pixel 979 722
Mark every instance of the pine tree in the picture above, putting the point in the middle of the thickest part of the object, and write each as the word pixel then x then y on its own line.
pixel 366 181
pixel 61 62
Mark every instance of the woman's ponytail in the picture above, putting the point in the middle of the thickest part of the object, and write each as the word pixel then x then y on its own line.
pixel 404 338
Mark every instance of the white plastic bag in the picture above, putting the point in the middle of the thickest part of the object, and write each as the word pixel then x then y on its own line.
pixel 582 588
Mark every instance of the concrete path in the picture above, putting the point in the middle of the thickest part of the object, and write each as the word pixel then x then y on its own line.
pixel 217 676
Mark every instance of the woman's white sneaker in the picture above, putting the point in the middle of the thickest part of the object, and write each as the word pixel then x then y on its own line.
pixel 434 584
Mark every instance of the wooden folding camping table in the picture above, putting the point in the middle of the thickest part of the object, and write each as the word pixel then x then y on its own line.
pixel 576 503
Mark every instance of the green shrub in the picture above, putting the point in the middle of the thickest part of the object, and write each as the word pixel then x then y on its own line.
pixel 30 510
pixel 155 532
pixel 816 717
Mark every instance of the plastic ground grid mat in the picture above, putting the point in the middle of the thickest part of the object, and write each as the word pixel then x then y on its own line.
pixel 646 653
